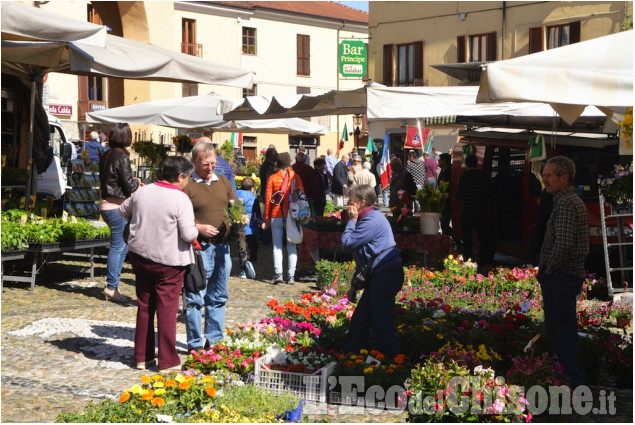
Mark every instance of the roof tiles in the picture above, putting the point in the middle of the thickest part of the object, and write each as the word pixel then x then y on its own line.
pixel 326 9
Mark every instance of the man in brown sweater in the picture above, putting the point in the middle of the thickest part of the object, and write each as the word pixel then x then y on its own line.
pixel 211 195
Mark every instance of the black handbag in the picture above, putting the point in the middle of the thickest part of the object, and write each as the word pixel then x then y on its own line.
pixel 195 276
pixel 360 277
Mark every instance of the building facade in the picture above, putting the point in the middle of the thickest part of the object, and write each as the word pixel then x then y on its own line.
pixel 444 43
pixel 291 46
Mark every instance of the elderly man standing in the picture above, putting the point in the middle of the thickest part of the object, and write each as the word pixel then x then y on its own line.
pixel 211 194
pixel 339 185
pixel 561 265
pixel 330 163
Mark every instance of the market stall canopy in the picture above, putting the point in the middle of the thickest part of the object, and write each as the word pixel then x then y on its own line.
pixel 334 102
pixel 20 22
pixel 595 72
pixel 199 112
pixel 457 105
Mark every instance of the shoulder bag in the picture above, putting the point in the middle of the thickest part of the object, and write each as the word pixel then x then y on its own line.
pixel 195 276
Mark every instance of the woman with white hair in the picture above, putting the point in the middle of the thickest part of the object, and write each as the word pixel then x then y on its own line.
pixel 94 147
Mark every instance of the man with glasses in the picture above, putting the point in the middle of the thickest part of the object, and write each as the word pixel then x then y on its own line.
pixel 211 194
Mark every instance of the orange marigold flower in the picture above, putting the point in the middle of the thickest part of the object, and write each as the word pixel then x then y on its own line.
pixel 147 397
pixel 374 353
pixel 170 383
pixel 350 364
pixel 124 397
pixel 272 303
pixel 380 356
pixel 146 379
pixel 184 385
pixel 158 401
pixel 391 370
pixel 211 391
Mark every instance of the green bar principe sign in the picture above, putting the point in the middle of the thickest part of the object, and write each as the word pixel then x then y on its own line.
pixel 352 58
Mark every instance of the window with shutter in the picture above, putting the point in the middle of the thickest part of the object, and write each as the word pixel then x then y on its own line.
pixel 418 64
pixel 563 35
pixel 461 49
pixel 303 55
pixel 388 65
pixel 410 64
pixel 536 39
pixel 490 55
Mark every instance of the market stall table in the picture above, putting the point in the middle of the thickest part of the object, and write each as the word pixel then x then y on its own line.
pixel 41 254
pixel 433 247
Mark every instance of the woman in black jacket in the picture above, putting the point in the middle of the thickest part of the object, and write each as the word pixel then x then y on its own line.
pixel 117 184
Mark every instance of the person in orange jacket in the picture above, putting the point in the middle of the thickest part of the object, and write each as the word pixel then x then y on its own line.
pixel 283 184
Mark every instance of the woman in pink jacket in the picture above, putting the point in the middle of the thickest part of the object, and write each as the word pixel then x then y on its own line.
pixel 162 230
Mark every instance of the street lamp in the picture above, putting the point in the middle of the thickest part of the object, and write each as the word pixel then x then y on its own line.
pixel 357 120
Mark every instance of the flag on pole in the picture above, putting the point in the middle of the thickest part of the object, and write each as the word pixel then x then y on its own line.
pixel 429 142
pixel 415 137
pixel 237 139
pixel 344 138
pixel 383 168
pixel 370 148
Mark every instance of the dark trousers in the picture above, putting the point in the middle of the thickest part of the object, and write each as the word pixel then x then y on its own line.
pixel 375 310
pixel 559 305
pixel 478 222
pixel 248 252
pixel 158 289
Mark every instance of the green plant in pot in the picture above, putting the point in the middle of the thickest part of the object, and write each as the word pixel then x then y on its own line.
pixel 623 313
pixel 431 198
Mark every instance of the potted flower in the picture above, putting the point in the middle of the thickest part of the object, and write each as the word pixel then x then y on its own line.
pixel 623 313
pixel 431 200
pixel 183 143
pixel 617 187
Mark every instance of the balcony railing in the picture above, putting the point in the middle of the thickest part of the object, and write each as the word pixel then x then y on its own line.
pixel 84 106
pixel 193 49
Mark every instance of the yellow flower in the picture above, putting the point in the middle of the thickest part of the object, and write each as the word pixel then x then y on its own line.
pixel 157 378
pixel 362 351
pixel 160 391
pixel 146 379
pixel 135 389
pixel 440 335
pixel 426 328
pixel 368 370
pixel 180 378
pixel 207 379
pixel 158 385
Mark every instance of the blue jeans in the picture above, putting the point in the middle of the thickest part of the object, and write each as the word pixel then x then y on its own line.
pixel 118 247
pixel 375 310
pixel 559 305
pixel 385 194
pixel 218 265
pixel 277 230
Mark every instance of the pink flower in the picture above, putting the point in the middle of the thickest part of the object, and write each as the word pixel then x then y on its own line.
pixel 331 319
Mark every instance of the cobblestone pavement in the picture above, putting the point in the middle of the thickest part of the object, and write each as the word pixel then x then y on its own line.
pixel 63 345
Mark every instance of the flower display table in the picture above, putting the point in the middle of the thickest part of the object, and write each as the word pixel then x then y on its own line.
pixel 434 247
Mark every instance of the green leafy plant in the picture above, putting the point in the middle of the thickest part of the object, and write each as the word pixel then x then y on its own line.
pixel 227 151
pixel 432 199
pixel 622 310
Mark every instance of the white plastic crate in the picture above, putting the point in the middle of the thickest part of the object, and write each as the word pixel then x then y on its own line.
pixel 310 387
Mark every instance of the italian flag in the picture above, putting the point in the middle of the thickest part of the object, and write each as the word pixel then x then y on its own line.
pixel 237 139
